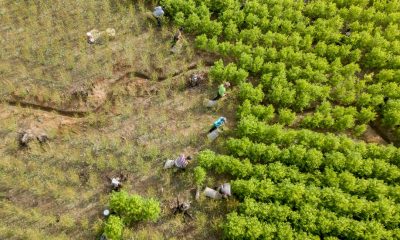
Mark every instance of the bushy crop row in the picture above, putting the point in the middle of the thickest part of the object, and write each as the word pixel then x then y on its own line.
pixel 339 118
pixel 296 195
pixel 308 52
pixel 128 209
pixel 311 159
pixel 322 222
pixel 260 132
pixel 246 227
pixel 369 188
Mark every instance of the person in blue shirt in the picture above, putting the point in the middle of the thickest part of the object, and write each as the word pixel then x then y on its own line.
pixel 221 121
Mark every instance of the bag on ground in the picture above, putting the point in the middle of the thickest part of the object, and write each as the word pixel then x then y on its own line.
pixel 169 164
pixel 213 135
pixel 211 193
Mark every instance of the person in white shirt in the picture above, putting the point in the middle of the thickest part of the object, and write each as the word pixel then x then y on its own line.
pixel 116 184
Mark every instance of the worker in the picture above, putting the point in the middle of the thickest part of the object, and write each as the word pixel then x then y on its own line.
pixel 182 161
pixel 177 37
pixel 222 90
pixel 182 207
pixel 158 13
pixel 196 79
pixel 217 124
pixel 42 138
pixel 116 184
pixel 92 36
pixel 225 190
pixel 24 138
pixel 96 36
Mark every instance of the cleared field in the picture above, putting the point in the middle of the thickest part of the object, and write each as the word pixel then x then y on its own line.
pixel 59 190
pixel 47 60
pixel 117 107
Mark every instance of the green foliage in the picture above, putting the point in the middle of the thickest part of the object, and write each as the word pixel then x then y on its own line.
pixel 316 221
pixel 193 23
pixel 199 175
pixel 339 118
pixel 377 58
pixel 201 42
pixel 176 6
pixel 286 116
pixel 179 19
pixel 360 129
pixel 222 164
pixel 134 208
pixel 391 113
pixel 238 227
pixel 231 31
pixel 253 94
pixel 113 228
pixel 220 73
pixel 366 115
pixel 263 113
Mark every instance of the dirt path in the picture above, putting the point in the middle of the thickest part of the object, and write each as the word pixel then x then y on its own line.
pixel 372 136
pixel 36 119
pixel 98 94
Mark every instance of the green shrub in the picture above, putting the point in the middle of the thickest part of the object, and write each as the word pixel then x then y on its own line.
pixel 263 113
pixel 253 94
pixel 220 73
pixel 134 208
pixel 391 113
pixel 113 228
pixel 359 129
pixel 286 116
pixel 201 42
pixel 199 175
pixel 366 115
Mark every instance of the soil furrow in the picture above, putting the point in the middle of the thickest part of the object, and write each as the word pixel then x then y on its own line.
pixel 82 113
